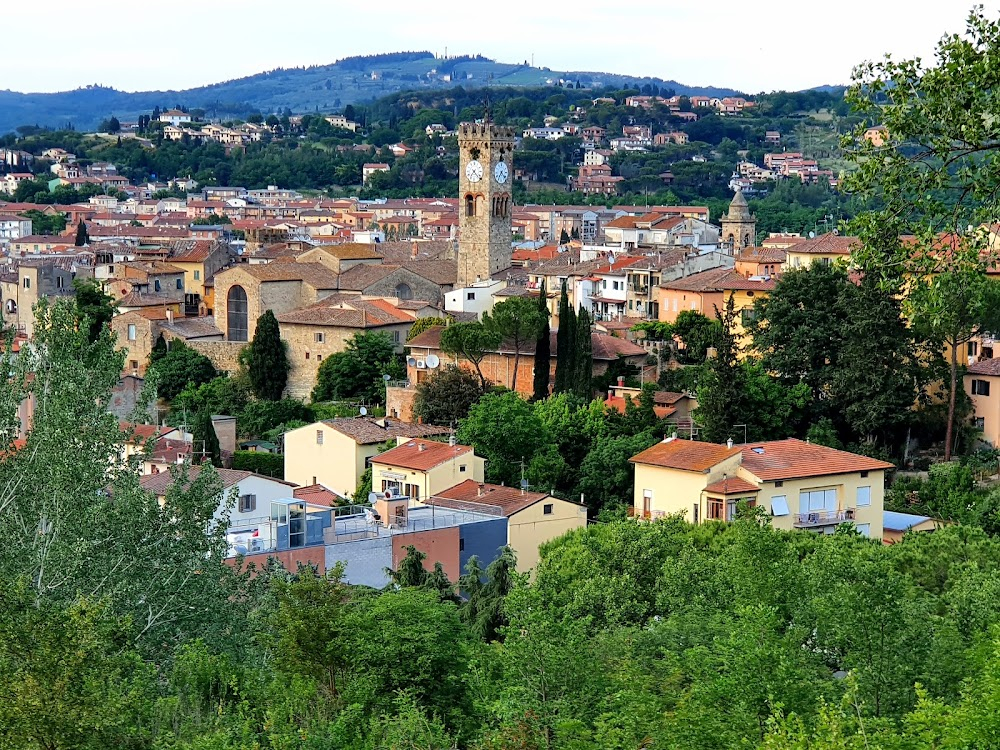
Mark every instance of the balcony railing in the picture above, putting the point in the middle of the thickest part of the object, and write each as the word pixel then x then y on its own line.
pixel 823 518
pixel 647 515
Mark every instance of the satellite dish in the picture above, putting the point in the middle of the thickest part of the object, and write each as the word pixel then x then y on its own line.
pixel 372 497
pixel 411 361
pixel 363 411
pixel 812 235
pixel 433 361
pixel 386 378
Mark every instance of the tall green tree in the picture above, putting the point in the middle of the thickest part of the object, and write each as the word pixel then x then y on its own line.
pixel 267 359
pixel 206 440
pixel 584 351
pixel 81 234
pixel 565 342
pixel 516 320
pixel 721 393
pixel 472 342
pixel 543 354
pixel 446 396
pixel 504 429
pixel 180 367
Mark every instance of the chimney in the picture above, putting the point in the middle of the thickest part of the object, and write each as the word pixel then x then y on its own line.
pixel 611 393
pixel 621 381
pixel 451 440
pixel 480 491
pixel 170 316
pixel 413 250
pixel 729 443
pixel 420 447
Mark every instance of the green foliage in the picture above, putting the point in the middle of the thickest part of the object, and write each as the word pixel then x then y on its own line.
pixel 422 324
pixel 584 354
pixel 696 333
pixel 259 462
pixel 81 234
pixel 446 396
pixel 543 353
pixel 257 418
pixel 504 429
pixel 515 321
pixel 566 360
pixel 266 359
pixel 95 306
pixel 206 441
pixel 42 223
pixel 357 371
pixel 180 368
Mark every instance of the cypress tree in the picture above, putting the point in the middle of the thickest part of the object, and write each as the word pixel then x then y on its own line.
pixel 203 434
pixel 565 344
pixel 583 351
pixel 81 234
pixel 267 363
pixel 543 351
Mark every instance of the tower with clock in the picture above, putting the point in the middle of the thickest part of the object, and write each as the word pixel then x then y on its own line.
pixel 485 202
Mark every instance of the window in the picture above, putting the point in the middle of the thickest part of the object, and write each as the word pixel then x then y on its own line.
pixel 248 503
pixel 197 275
pixel 864 474
pixel 461 545
pixel 980 388
pixel 319 437
pixel 319 338
pixel 156 285
pixel 973 348
pixel 319 357
pixel 307 355
pixel 547 509
pixel 470 296
pixel 779 505
pixel 134 364
pixel 403 291
pixel 987 352
pixel 60 282
pixel 865 529
pixel 747 314
pixel 980 423
pixel 470 205
pixel 27 282
pixel 131 331
pixel 461 468
pixel 864 496
pixel 716 509
pixel 236 313
pixel 812 501
pixel 779 483
pixel 395 337
pixel 180 283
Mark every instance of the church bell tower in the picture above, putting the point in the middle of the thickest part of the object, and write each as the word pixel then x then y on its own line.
pixel 485 202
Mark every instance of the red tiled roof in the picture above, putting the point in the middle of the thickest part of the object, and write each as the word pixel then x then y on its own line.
pixel 718 280
pixel 826 244
pixel 510 500
pixel 985 367
pixel 791 459
pixel 316 494
pixel 731 486
pixel 410 455
pixel 687 455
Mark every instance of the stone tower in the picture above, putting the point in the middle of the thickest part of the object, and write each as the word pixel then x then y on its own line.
pixel 739 226
pixel 485 203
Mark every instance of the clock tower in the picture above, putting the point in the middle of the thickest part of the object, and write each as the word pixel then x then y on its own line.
pixel 485 203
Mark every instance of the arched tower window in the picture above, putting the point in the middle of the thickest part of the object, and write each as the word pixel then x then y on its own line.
pixel 746 240
pixel 732 240
pixel 236 314
pixel 470 205
pixel 403 291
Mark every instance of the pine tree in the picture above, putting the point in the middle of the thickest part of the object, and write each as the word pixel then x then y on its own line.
pixel 565 345
pixel 206 442
pixel 583 354
pixel 543 353
pixel 267 362
pixel 81 234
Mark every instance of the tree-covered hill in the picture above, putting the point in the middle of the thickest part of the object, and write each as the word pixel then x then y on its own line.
pixel 307 89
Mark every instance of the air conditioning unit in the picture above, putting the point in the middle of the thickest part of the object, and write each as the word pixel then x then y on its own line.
pixel 421 364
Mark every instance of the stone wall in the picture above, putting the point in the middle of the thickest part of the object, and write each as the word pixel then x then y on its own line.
pixel 399 402
pixel 420 287
pixel 225 355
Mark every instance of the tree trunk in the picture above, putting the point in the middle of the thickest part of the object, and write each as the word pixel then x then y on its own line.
pixel 950 429
pixel 517 361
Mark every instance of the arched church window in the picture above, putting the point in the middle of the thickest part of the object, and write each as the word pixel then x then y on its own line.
pixel 470 205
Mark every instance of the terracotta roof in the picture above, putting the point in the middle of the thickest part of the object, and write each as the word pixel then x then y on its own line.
pixel 349 251
pixel 731 486
pixel 510 500
pixel 153 266
pixel 195 251
pixel 687 455
pixel 360 277
pixel 144 432
pixel 193 328
pixel 346 312
pixel 371 430
pixel 791 459
pixel 718 280
pixel 441 272
pixel 317 494
pixel 139 299
pixel 315 274
pixel 410 455
pixel 825 244
pixel 985 367
pixel 160 483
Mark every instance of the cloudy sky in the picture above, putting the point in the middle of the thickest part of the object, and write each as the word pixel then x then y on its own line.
pixel 753 46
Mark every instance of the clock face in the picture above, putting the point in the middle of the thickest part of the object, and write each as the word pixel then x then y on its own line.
pixel 500 172
pixel 474 171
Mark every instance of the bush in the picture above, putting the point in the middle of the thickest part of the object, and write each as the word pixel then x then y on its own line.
pixel 268 464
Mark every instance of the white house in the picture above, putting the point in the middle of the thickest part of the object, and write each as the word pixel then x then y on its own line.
pixel 477 298
pixel 13 227
pixel 175 117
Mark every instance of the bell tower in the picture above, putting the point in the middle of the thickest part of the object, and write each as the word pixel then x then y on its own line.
pixel 739 226
pixel 485 202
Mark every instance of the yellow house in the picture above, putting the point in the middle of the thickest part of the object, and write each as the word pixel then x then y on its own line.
pixel 336 452
pixel 421 468
pixel 800 485
pixel 982 383
pixel 827 248
pixel 533 518
pixel 200 260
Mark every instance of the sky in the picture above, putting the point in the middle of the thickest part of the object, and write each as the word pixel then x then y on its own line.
pixel 752 46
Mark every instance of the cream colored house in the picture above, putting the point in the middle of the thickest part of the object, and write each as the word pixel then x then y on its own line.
pixel 421 468
pixel 800 485
pixel 982 383
pixel 827 249
pixel 336 452
pixel 533 518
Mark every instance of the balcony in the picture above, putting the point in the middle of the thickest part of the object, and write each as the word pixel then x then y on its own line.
pixel 817 518
pixel 646 515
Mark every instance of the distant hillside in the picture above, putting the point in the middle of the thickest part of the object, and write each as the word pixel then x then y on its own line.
pixel 319 88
